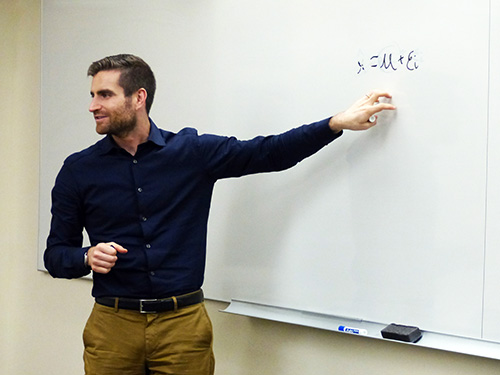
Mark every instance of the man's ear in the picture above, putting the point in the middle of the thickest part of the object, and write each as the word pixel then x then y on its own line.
pixel 141 96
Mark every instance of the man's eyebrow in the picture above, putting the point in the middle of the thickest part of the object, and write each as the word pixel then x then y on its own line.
pixel 103 92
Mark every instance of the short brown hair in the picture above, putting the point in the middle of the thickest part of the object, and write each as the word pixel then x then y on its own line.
pixel 135 74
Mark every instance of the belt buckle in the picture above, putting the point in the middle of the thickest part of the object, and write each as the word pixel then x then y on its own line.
pixel 142 310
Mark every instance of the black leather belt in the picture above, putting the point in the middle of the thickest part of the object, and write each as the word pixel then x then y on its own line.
pixel 153 305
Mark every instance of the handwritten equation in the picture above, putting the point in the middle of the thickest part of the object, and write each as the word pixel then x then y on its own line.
pixel 389 61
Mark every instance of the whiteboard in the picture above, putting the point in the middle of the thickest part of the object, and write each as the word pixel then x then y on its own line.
pixel 395 224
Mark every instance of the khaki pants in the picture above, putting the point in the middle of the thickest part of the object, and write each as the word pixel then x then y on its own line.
pixel 125 342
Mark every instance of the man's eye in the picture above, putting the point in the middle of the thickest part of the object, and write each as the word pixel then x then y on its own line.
pixel 105 94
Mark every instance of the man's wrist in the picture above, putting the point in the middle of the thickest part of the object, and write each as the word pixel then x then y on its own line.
pixel 334 126
pixel 86 259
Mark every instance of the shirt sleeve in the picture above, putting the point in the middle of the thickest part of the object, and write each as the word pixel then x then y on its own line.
pixel 230 157
pixel 64 255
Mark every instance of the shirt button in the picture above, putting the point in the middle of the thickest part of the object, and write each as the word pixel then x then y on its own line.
pixel 144 218
pixel 148 246
pixel 135 161
pixel 139 190
pixel 152 273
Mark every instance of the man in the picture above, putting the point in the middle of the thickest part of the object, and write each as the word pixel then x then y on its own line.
pixel 143 195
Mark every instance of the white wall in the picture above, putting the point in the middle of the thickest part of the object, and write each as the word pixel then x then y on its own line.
pixel 41 319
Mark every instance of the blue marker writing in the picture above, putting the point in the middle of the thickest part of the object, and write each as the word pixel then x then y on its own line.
pixel 357 331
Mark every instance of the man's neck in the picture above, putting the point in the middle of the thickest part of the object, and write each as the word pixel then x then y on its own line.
pixel 132 140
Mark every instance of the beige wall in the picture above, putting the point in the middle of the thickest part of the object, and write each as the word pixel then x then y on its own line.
pixel 42 318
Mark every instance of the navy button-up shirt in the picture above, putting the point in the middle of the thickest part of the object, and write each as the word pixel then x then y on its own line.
pixel 156 204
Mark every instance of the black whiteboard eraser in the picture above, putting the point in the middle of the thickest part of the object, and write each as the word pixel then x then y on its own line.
pixel 401 333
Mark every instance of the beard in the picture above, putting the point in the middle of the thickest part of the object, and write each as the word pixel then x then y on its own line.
pixel 122 126
pixel 121 123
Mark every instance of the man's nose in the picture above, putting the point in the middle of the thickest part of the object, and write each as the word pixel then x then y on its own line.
pixel 94 105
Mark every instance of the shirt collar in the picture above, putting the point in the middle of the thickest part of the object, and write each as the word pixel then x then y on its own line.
pixel 155 135
pixel 107 144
